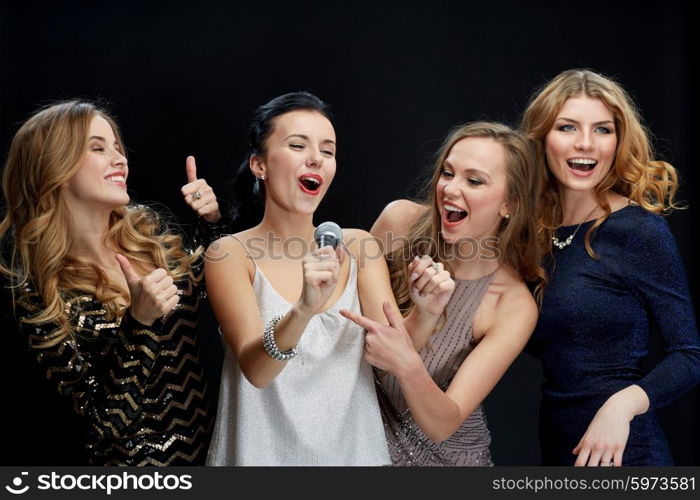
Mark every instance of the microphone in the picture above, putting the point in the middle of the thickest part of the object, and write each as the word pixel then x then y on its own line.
pixel 328 233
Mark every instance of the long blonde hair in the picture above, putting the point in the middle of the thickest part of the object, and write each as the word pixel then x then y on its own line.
pixel 650 183
pixel 515 235
pixel 45 153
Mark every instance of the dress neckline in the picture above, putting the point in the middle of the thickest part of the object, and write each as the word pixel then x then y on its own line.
pixel 474 280
pixel 332 307
pixel 596 218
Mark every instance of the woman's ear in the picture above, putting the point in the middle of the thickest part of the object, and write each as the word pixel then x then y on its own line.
pixel 257 166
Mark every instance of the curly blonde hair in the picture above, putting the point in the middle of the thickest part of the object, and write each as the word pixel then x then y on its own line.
pixel 650 183
pixel 514 237
pixel 45 153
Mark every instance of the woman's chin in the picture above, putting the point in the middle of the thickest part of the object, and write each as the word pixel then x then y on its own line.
pixel 119 202
pixel 450 234
pixel 307 208
pixel 448 237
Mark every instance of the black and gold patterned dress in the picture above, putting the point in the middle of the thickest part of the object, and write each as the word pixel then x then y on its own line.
pixel 139 392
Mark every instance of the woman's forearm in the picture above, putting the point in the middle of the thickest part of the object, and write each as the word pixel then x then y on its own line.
pixel 420 326
pixel 438 415
pixel 256 363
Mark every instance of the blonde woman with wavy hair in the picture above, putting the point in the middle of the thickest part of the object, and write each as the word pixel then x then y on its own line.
pixel 614 273
pixel 476 221
pixel 104 294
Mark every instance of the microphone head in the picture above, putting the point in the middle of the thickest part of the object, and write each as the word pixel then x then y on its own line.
pixel 328 233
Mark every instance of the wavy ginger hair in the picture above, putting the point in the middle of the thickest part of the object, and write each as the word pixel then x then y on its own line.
pixel 515 236
pixel 45 153
pixel 650 183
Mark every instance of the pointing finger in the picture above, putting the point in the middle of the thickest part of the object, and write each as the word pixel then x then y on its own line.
pixel 365 323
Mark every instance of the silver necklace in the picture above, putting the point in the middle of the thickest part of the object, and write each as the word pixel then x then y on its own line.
pixel 562 244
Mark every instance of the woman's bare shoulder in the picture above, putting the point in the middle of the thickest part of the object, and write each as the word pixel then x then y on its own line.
pixel 231 250
pixel 360 242
pixel 395 221
pixel 513 295
pixel 399 215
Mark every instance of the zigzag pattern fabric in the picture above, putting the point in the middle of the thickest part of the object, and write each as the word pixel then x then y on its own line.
pixel 139 390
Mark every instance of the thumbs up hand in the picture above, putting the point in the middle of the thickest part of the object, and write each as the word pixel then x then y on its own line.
pixel 199 195
pixel 152 296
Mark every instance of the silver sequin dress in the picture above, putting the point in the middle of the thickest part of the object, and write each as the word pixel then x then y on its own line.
pixel 443 356
pixel 320 410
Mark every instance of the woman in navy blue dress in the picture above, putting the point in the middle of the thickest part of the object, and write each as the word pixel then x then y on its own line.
pixel 614 274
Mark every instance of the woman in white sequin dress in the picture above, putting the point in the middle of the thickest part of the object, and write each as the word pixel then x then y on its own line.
pixel 318 406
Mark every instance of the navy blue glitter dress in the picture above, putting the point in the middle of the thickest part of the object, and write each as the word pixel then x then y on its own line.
pixel 594 328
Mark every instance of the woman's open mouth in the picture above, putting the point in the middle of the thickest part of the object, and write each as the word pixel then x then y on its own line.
pixel 582 166
pixel 310 183
pixel 453 215
pixel 119 179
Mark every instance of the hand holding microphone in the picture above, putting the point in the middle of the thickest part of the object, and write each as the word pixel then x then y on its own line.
pixel 322 268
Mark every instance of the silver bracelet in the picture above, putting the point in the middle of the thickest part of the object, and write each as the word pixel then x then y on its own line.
pixel 271 345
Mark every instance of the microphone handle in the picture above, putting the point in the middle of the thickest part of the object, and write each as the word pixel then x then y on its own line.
pixel 322 241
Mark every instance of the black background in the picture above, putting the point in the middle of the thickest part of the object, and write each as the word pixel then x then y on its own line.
pixel 183 78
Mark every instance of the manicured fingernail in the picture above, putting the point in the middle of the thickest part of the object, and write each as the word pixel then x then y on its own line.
pixel 414 276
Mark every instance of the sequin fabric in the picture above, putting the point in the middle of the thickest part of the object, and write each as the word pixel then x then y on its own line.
pixel 320 410
pixel 139 391
pixel 444 354
pixel 594 328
